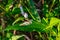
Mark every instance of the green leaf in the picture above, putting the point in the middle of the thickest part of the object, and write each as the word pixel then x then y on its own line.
pixel 35 26
pixel 44 21
pixel 0 28
pixel 16 37
pixel 58 36
pixel 8 5
pixel 53 22
pixel 16 10
pixel 18 19
pixel 8 35
pixel 32 11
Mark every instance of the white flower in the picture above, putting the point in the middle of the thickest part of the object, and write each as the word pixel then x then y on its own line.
pixel 22 12
pixel 26 15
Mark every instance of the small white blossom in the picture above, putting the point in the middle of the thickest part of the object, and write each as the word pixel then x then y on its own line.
pixel 26 15
pixel 22 12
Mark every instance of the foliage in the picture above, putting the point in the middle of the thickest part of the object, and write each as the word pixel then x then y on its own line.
pixel 29 19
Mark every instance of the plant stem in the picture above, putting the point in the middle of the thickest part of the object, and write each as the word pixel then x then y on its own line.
pixel 31 36
pixel 42 1
pixel 2 9
pixel 14 32
pixel 52 6
pixel 3 25
pixel 40 35
pixel 27 37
